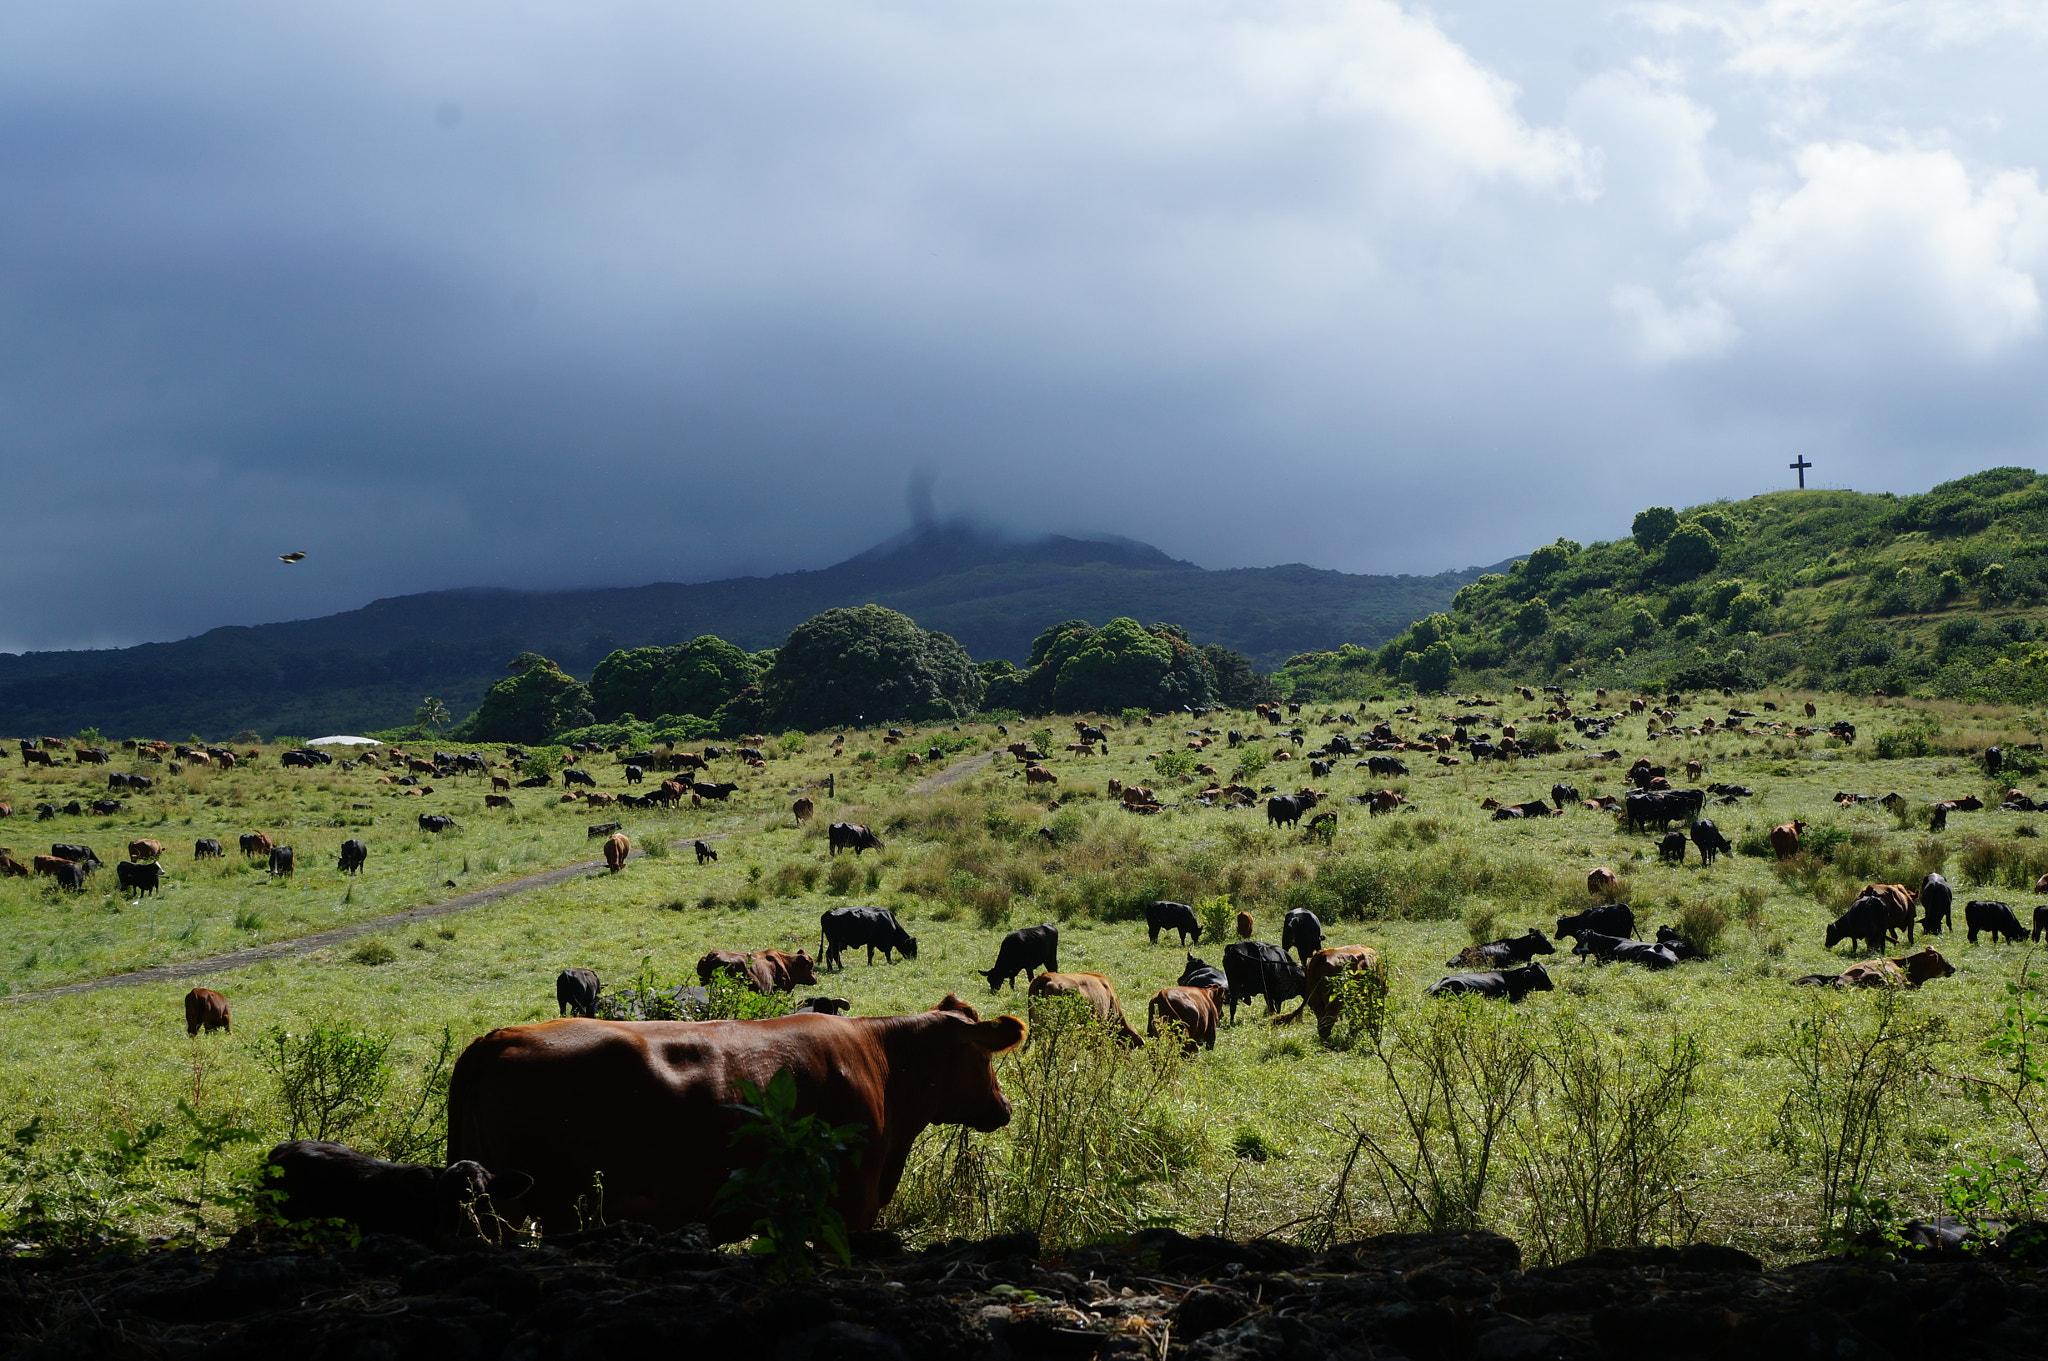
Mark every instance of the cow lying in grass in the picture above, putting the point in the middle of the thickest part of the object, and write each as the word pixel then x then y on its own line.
pixel 1905 971
pixel 1511 984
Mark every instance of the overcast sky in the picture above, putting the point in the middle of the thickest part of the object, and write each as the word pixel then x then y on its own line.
pixel 602 292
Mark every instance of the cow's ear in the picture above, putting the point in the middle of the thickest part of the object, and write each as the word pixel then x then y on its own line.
pixel 952 1002
pixel 1001 1035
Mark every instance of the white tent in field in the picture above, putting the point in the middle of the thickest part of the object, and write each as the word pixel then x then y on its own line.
pixel 344 742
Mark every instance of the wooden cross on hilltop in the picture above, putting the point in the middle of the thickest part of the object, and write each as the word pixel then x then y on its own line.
pixel 1800 467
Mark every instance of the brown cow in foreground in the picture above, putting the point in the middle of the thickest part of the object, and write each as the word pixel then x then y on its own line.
pixel 1326 969
pixel 652 1105
pixel 1099 993
pixel 616 848
pixel 1785 839
pixel 205 1008
pixel 1905 971
pixel 1197 1011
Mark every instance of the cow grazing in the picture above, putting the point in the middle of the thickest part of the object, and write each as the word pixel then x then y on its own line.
pixel 1033 947
pixel 705 854
pixel 1508 950
pixel 1257 970
pixel 717 793
pixel 656 1121
pixel 1097 991
pixel 1510 985
pixel 206 1010
pixel 83 856
pixel 145 849
pixel 206 848
pixel 802 809
pixel 852 836
pixel 1613 919
pixel 1177 917
pixel 616 849
pixel 1995 918
pixel 255 843
pixel 1325 974
pixel 1785 839
pixel 503 801
pixel 1245 926
pixel 1038 775
pixel 1868 921
pixel 281 860
pixel 1661 807
pixel 1898 901
pixel 1196 1011
pixel 583 777
pixel 438 1206
pixel 1937 903
pixel 1707 837
pixel 140 876
pixel 1301 932
pixel 354 855
pixel 501 784
pixel 437 823
pixel 850 928
pixel 1672 848
pixel 576 992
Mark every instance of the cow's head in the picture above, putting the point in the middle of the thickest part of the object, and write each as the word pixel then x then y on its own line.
pixel 801 969
pixel 956 1070
pixel 1925 966
pixel 907 943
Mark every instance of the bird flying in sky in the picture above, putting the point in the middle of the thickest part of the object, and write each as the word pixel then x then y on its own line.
pixel 290 557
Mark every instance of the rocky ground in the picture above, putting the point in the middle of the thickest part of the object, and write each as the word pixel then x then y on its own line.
pixel 625 1291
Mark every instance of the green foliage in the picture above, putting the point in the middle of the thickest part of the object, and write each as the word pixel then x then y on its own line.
pixel 530 707
pixel 702 676
pixel 623 683
pixel 432 714
pixel 786 1196
pixel 868 665
pixel 1431 669
pixel 330 1078
pixel 1171 765
pixel 1690 550
pixel 1125 666
pixel 1653 526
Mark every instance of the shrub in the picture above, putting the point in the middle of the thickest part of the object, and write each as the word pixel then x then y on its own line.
pixel 1218 918
pixel 376 950
pixel 842 875
pixel 330 1079
pixel 786 1197
pixel 793 877
pixel 1703 924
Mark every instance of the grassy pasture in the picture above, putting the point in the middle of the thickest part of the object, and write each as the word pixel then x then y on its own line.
pixel 1256 1133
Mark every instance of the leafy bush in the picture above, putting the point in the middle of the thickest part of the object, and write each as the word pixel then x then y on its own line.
pixel 376 950
pixel 786 1196
pixel 330 1079
pixel 1703 924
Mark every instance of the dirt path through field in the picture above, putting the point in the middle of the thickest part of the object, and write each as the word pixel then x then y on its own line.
pixel 341 935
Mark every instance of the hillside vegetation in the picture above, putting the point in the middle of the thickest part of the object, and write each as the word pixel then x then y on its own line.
pixel 1940 595
pixel 366 669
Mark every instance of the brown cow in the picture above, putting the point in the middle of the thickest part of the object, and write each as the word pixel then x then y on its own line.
pixel 1810 710
pixel 616 848
pixel 1197 1011
pixel 1785 839
pixel 1100 994
pixel 1898 901
pixel 1905 971
pixel 599 800
pixel 803 809
pixel 145 849
pixel 208 1009
pixel 10 867
pixel 503 801
pixel 1602 880
pixel 1039 775
pixel 49 864
pixel 653 1105
pixel 1245 926
pixel 765 971
pixel 501 783
pixel 1693 768
pixel 256 843
pixel 1326 968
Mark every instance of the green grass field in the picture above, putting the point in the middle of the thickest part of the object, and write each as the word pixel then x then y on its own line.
pixel 1254 1137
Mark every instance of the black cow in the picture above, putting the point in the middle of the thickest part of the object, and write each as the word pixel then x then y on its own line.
pixel 144 877
pixel 1257 970
pixel 71 876
pixel 823 1006
pixel 851 836
pixel 705 855
pixel 1302 932
pixel 576 991
pixel 1994 760
pixel 1507 950
pixel 252 843
pixel 436 822
pixel 1605 948
pixel 206 848
pixel 1200 975
pixel 2040 924
pixel 600 829
pixel 1033 947
pixel 1165 916
pixel 1672 847
pixel 849 928
pixel 1868 920
pixel 354 855
pixel 297 758
pixel 1711 843
pixel 541 781
pixel 82 855
pixel 1563 795
pixel 1386 765
pixel 281 860
pixel 714 792
pixel 320 1180
pixel 1937 904
pixel 1677 944
pixel 1995 918
pixel 634 774
pixel 1612 919
pixel 1285 810
pixel 1661 807
pixel 1511 984
pixel 574 776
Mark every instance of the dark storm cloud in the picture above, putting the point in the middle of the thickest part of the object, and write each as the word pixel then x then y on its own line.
pixel 554 295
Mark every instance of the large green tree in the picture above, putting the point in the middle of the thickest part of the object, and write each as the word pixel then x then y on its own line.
pixel 1078 668
pixel 531 706
pixel 624 682
pixel 867 665
pixel 702 676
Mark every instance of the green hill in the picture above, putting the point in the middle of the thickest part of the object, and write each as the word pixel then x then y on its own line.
pixel 368 668
pixel 1944 594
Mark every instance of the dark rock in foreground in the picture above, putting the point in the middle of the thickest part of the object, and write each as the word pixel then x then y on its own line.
pixel 626 1291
